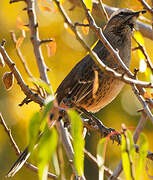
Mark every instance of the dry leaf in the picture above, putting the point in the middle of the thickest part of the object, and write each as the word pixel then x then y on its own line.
pixel 51 48
pixel 85 30
pixel 95 84
pixel 20 24
pixel 8 80
pixel 19 42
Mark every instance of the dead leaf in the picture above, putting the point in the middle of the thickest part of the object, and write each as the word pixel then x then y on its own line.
pixel 8 80
pixel 95 84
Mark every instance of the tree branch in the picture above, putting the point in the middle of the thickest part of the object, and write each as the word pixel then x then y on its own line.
pixel 16 149
pixel 34 97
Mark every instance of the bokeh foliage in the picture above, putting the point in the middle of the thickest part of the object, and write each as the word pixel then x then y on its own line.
pixel 68 52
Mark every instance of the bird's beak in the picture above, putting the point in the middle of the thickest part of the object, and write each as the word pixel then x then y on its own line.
pixel 137 13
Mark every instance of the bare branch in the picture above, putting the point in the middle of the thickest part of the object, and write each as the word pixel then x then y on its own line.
pixel 34 97
pixel 145 29
pixel 103 9
pixel 143 50
pixel 146 6
pixel 13 36
pixel 45 41
pixel 33 25
pixel 107 171
pixel 16 149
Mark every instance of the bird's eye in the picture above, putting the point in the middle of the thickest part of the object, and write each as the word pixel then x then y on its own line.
pixel 121 13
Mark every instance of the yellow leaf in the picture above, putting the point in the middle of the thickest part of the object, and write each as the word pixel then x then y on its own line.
pixel 20 24
pixel 51 48
pixel 85 30
pixel 68 29
pixel 19 42
pixel 95 84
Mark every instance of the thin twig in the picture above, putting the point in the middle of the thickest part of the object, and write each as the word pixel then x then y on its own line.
pixel 143 50
pixel 145 29
pixel 137 132
pixel 16 149
pixel 103 9
pixel 94 56
pixel 146 6
pixel 66 144
pixel 107 171
pixel 33 25
pixel 13 36
pixel 34 97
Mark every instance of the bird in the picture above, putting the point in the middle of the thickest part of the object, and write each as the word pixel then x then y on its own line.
pixel 76 90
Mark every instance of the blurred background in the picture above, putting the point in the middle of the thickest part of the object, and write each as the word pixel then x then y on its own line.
pixel 68 52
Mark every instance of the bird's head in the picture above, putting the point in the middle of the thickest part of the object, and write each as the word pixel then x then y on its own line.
pixel 123 20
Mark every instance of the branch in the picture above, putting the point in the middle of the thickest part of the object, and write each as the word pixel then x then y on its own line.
pixel 66 144
pixel 32 96
pixel 33 25
pixel 145 29
pixel 13 36
pixel 107 171
pixel 143 50
pixel 113 52
pixel 146 6
pixel 137 132
pixel 16 149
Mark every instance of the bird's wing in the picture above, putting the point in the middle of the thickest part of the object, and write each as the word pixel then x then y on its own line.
pixel 79 82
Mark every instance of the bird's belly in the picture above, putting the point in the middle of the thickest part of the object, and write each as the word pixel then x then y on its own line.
pixel 105 98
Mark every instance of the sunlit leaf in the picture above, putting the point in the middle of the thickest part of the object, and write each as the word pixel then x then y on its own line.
pixel 85 30
pixel 101 150
pixel 42 84
pixel 44 5
pixel 125 159
pixel 131 144
pixel 88 4
pixel 33 129
pixel 46 148
pixel 68 29
pixel 142 155
pixel 51 48
pixel 95 84
pixel 78 141
pixel 19 42
pixel 20 24
pixel 8 80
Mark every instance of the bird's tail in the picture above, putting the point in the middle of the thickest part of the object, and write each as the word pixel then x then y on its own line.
pixel 19 163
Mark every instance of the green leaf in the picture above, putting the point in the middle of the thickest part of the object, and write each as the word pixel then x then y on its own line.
pixel 88 4
pixel 125 159
pixel 131 147
pixel 78 141
pixel 142 155
pixel 41 84
pixel 101 150
pixel 33 129
pixel 46 148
